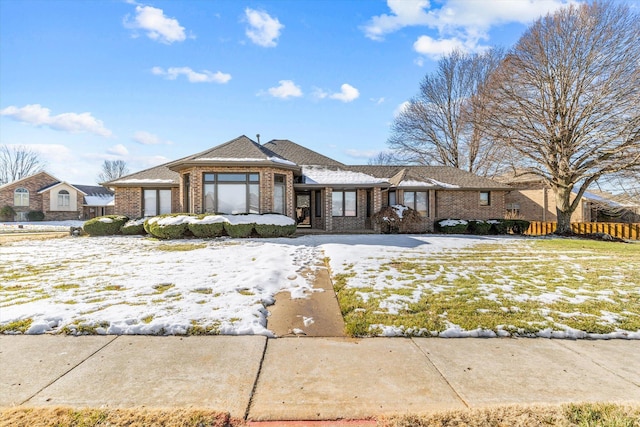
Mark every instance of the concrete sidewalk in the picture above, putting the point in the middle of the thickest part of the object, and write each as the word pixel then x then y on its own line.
pixel 306 378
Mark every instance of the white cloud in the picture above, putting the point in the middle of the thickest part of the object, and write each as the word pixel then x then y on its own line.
pixel 347 93
pixel 37 115
pixel 401 108
pixel 118 150
pixel 287 89
pixel 146 138
pixel 457 23
pixel 203 76
pixel 427 46
pixel 403 13
pixel 377 101
pixel 263 30
pixel 157 26
pixel 319 93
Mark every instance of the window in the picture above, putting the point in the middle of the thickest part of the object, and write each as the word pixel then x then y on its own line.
pixel 279 192
pixel 418 201
pixel 343 203
pixel 318 204
pixel 392 198
pixel 21 197
pixel 64 200
pixel 485 198
pixel 157 202
pixel 232 193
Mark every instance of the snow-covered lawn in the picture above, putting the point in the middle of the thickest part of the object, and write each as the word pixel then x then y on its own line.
pixel 388 284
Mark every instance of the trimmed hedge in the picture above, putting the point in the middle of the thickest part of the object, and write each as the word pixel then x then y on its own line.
pixel 35 215
pixel 107 225
pixel 239 230
pixel 133 227
pixel 479 227
pixel 204 228
pixel 164 227
pixel 271 230
pixel 452 226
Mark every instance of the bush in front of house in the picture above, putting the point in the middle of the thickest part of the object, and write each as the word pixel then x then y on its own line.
pixel 7 213
pixel 272 230
pixel 35 215
pixel 479 227
pixel 133 227
pixel 107 225
pixel 399 219
pixel 517 226
pixel 239 230
pixel 451 226
pixel 388 219
pixel 207 226
pixel 274 225
pixel 169 226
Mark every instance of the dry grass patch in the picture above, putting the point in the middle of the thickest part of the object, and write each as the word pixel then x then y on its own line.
pixel 573 415
pixel 141 417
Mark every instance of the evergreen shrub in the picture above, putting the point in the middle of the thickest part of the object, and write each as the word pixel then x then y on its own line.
pixel 133 227
pixel 479 227
pixel 107 225
pixel 207 226
pixel 168 226
pixel 35 215
pixel 451 226
pixel 272 230
pixel 7 213
pixel 239 230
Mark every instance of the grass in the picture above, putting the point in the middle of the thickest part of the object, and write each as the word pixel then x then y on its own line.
pixel 571 415
pixel 103 417
pixel 180 247
pixel 522 287
pixel 17 326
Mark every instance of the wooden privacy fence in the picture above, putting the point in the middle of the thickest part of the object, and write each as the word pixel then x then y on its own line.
pixel 622 231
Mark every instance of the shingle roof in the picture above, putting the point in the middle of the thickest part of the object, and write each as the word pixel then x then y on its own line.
pixel 94 190
pixel 160 176
pixel 238 150
pixel 431 175
pixel 299 154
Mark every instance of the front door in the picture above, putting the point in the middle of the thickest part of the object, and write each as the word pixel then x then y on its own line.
pixel 303 209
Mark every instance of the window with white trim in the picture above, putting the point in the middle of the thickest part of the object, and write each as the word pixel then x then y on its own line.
pixel 21 197
pixel 64 199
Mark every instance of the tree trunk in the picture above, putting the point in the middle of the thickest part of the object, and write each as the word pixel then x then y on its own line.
pixel 563 210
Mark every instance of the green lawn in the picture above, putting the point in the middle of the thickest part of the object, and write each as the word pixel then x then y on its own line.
pixel 525 287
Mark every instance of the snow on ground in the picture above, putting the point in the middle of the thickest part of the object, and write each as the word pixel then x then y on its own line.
pixel 9 227
pixel 137 285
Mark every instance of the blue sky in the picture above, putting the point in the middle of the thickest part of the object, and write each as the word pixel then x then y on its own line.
pixel 147 82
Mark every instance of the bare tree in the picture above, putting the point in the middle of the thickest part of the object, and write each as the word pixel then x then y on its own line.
pixel 567 99
pixel 386 158
pixel 17 162
pixel 438 126
pixel 112 169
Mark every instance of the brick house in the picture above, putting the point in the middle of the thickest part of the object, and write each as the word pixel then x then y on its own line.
pixel 57 199
pixel 280 176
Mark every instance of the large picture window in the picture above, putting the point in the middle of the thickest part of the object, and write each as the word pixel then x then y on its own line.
pixel 232 193
pixel 21 197
pixel 343 203
pixel 64 199
pixel 418 201
pixel 157 202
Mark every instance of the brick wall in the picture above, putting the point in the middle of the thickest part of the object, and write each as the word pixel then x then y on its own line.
pixel 128 201
pixel 463 204
pixel 33 184
pixel 539 204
